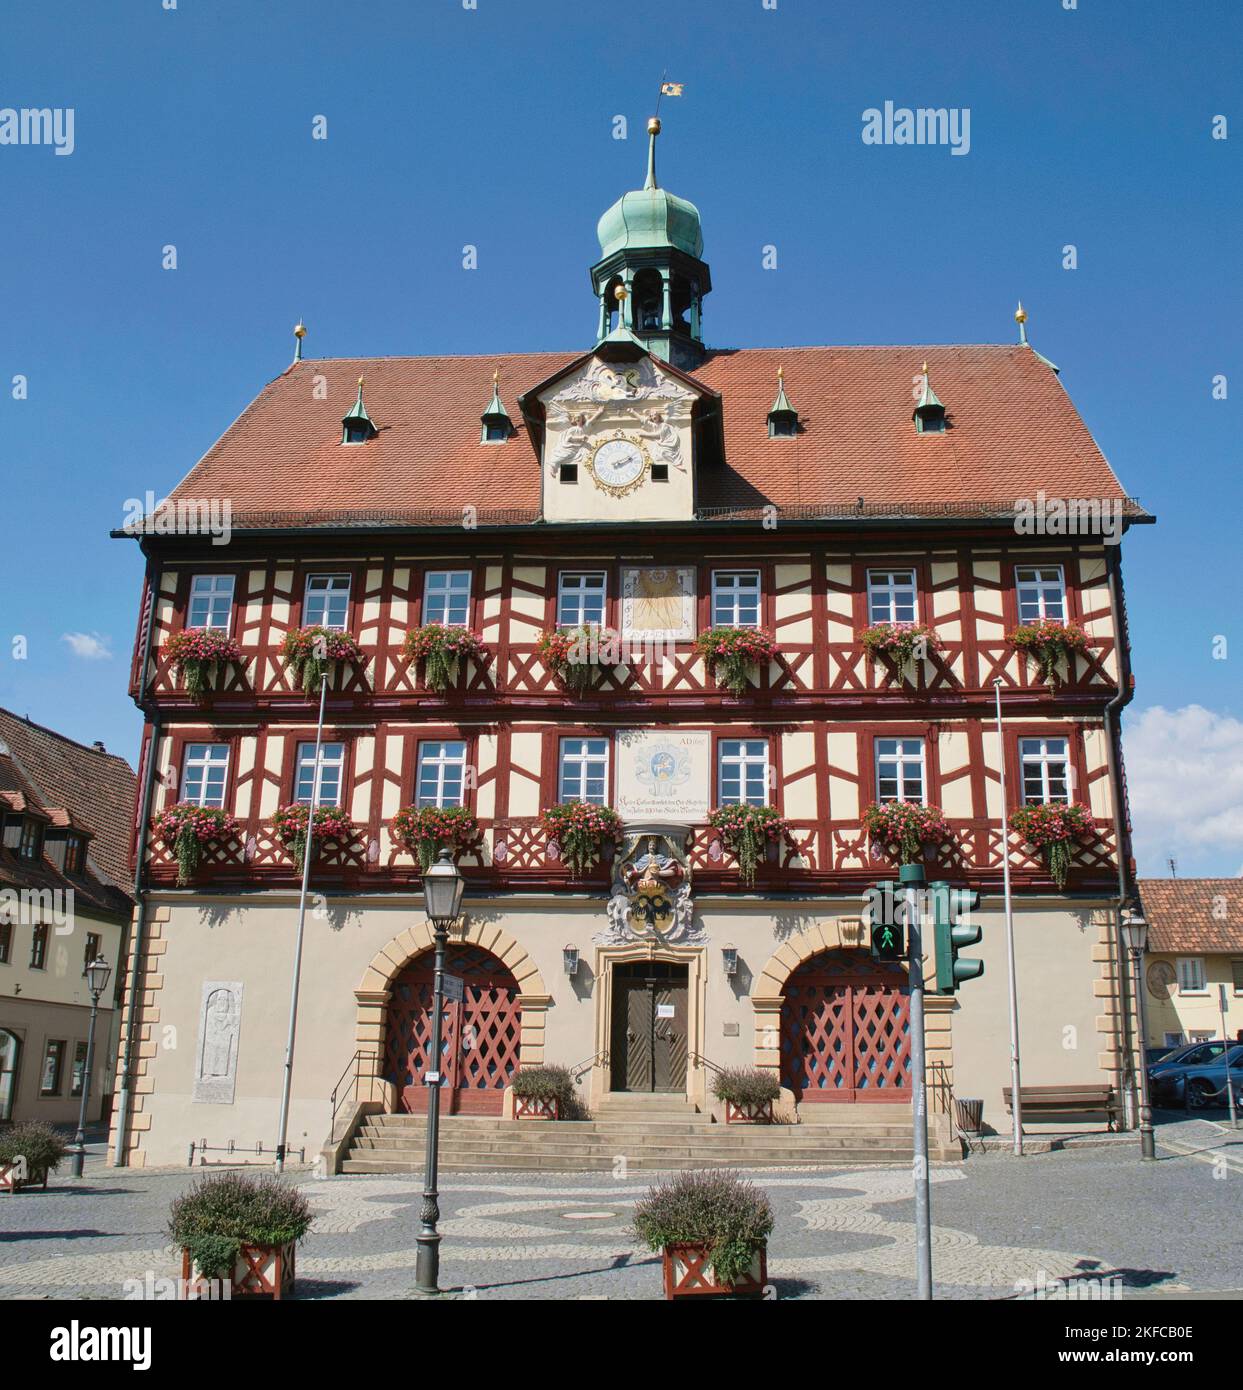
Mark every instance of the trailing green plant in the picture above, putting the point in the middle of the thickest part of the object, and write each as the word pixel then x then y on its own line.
pixel 441 649
pixel 1047 642
pixel 186 828
pixel 580 830
pixel 732 653
pixel 196 652
pixel 713 1208
pixel 577 655
pixel 310 651
pixel 898 641
pixel 1053 828
pixel 38 1143
pixel 225 1211
pixel 424 830
pixel 907 825
pixel 746 832
pixel 746 1085
pixel 289 825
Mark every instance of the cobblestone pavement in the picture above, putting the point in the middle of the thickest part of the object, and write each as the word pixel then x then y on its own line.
pixel 1001 1226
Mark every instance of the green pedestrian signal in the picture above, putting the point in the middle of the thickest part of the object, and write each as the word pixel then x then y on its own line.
pixel 949 905
pixel 888 935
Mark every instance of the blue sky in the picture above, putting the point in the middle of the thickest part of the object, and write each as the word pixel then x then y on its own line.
pixel 494 126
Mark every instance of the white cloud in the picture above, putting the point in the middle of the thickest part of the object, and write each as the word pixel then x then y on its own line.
pixel 90 646
pixel 1184 771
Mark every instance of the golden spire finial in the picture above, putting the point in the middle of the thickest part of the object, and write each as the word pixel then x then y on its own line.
pixel 924 369
pixel 1020 314
pixel 781 371
pixel 299 332
pixel 360 383
pixel 653 125
pixel 299 329
pixel 620 293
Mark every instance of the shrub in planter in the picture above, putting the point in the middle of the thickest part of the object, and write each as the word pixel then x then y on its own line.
pixel 440 650
pixel 31 1144
pixel 704 1220
pixel 581 831
pixel 748 1093
pixel 747 831
pixel 425 830
pixel 1046 642
pixel 732 653
pixel 229 1223
pixel 577 655
pixel 196 652
pixel 898 641
pixel 289 825
pixel 185 829
pixel 1053 829
pixel 309 651
pixel 545 1092
pixel 906 825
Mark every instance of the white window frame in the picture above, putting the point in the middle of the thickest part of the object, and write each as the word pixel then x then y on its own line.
pixel 1174 1040
pixel 886 591
pixel 205 762
pixel 439 595
pixel 440 760
pixel 325 587
pixel 908 752
pixel 1034 752
pixel 590 750
pixel 746 758
pixel 1039 582
pixel 1236 976
pixel 729 589
pixel 214 590
pixel 1186 965
pixel 573 589
pixel 331 758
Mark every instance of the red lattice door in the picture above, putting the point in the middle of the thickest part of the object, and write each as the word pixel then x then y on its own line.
pixel 479 1039
pixel 846 1030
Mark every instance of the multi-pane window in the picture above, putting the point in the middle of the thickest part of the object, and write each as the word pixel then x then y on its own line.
pixel 1190 975
pixel 75 853
pixel 446 597
pixel 900 769
pixel 442 772
pixel 38 948
pixel 90 950
pixel 742 772
pixel 580 599
pixel 53 1068
pixel 326 789
pixel 211 601
pixel 78 1075
pixel 584 770
pixel 891 596
pixel 327 601
pixel 203 773
pixel 1041 592
pixel 30 842
pixel 735 598
pixel 1236 973
pixel 6 942
pixel 1046 770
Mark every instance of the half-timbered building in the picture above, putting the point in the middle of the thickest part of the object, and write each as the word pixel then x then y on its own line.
pixel 643 491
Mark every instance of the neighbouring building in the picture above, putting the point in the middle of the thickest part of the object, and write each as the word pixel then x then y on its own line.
pixel 67 812
pixel 1195 951
pixel 643 492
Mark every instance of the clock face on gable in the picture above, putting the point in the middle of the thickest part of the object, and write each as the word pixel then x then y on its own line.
pixel 619 465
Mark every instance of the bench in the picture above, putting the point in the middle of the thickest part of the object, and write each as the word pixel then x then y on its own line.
pixel 1066 1100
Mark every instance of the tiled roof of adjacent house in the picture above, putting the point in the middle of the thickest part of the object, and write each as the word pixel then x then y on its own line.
pixel 1201 915
pixel 1012 429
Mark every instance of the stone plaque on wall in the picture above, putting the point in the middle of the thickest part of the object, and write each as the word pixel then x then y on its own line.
pixel 220 1028
pixel 658 604
pixel 664 774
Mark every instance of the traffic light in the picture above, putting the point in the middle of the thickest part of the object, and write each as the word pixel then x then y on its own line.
pixel 948 906
pixel 888 936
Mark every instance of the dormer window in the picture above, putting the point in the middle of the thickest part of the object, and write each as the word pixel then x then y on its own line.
pixel 929 413
pixel 497 426
pixel 494 433
pixel 75 854
pixel 31 842
pixel 782 418
pixel 357 426
pixel 782 429
pixel 356 433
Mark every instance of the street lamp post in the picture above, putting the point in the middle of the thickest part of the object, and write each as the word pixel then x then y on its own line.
pixel 1135 934
pixel 97 973
pixel 442 893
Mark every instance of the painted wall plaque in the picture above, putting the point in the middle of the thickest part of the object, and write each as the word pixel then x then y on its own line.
pixel 664 774
pixel 220 1028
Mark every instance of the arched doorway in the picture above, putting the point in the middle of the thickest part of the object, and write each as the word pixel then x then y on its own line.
pixel 10 1053
pixel 480 1037
pixel 845 1030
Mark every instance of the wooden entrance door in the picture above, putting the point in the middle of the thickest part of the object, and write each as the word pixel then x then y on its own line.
pixel 480 1037
pixel 846 1030
pixel 649 1033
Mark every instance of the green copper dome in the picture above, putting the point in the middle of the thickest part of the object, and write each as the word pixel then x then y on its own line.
pixel 651 217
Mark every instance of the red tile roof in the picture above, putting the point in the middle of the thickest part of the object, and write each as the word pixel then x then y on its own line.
pixel 1012 430
pixel 1203 915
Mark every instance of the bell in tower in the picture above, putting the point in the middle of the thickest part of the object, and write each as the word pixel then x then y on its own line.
pixel 651 244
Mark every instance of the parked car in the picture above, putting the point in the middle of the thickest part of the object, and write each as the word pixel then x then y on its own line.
pixel 1199 1076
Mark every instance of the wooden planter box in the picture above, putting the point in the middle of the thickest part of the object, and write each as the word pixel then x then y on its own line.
pixel 688 1274
pixel 12 1184
pixel 537 1108
pixel 759 1113
pixel 259 1271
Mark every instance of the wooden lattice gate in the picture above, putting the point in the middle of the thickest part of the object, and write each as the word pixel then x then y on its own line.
pixel 846 1030
pixel 480 1037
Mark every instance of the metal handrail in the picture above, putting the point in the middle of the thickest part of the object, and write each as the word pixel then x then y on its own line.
pixel 580 1069
pixel 352 1066
pixel 941 1085
pixel 699 1060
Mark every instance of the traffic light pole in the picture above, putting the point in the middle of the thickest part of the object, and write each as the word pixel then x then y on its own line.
pixel 912 881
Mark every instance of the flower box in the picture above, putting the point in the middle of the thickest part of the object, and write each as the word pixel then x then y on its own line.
pixel 425 830
pixel 1048 642
pixel 12 1183
pixel 310 651
pixel 907 827
pixel 537 1108
pixel 689 1274
pixel 581 832
pixel 259 1271
pixel 732 653
pixel 1053 828
pixel 289 825
pixel 196 652
pixel 578 656
pixel 749 833
pixel 899 642
pixel 186 828
pixel 440 650
pixel 753 1113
